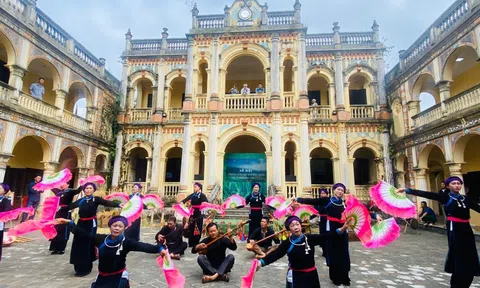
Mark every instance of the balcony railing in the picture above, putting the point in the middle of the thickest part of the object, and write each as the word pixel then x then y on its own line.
pixel 75 121
pixel 319 39
pixel 291 189
pixel 357 38
pixel 128 187
pixel 5 91
pixel 361 112
pixel 141 114
pixel 177 44
pixel 289 100
pixel 281 18
pixel 464 100
pixel 175 114
pixel 171 189
pixel 317 187
pixel 320 112
pixel 245 103
pixel 211 21
pixel 362 192
pixel 36 105
pixel 51 28
pixel 201 102
pixel 431 114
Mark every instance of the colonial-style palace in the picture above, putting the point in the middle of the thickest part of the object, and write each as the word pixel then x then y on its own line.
pixel 247 96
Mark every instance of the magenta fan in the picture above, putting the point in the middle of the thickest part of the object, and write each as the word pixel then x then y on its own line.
pixel 153 201
pixel 247 280
pixel 283 209
pixel 8 240
pixel 383 233
pixel 209 208
pixel 305 212
pixel 359 220
pixel 54 180
pixel 133 209
pixel 274 201
pixel 390 202
pixel 182 210
pixel 173 277
pixel 13 214
pixel 234 201
pixel 118 197
pixel 94 179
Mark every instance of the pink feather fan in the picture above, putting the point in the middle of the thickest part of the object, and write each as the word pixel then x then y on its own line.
pixel 94 179
pixel 13 214
pixel 247 280
pixel 383 233
pixel 173 277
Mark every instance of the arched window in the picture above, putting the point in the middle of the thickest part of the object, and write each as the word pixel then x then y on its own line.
pixel 245 70
pixel 288 79
pixel 318 90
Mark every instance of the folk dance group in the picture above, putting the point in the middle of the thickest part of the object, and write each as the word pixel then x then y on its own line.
pixel 112 249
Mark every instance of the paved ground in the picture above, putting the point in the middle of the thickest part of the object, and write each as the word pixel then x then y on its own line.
pixel 413 261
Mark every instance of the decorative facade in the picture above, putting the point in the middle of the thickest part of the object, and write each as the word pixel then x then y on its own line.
pixel 441 67
pixel 320 117
pixel 71 125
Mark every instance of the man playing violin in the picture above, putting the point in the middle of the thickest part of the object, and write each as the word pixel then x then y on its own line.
pixel 264 247
pixel 215 263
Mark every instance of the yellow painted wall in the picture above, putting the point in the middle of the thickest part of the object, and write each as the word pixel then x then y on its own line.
pixel 144 88
pixel 178 88
pixel 466 80
pixel 472 163
pixel 28 153
pixel 49 95
pixel 318 83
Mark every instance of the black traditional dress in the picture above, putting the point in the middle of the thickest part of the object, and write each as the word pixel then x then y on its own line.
pixel 195 224
pixel 256 201
pixel 338 256
pixel 302 272
pixel 462 258
pixel 112 256
pixel 173 239
pixel 216 260
pixel 322 226
pixel 59 243
pixel 133 231
pixel 5 205
pixel 258 235
pixel 83 250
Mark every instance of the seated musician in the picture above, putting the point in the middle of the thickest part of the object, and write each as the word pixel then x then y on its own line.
pixel 215 263
pixel 171 235
pixel 263 248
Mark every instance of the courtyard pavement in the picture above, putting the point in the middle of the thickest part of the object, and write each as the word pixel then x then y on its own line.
pixel 415 260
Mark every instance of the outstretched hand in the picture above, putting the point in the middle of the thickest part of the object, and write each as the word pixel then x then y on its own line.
pixel 62 221
pixel 259 265
pixel 401 190
pixel 122 205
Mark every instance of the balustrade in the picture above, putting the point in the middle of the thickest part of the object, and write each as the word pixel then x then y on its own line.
pixel 245 103
pixel 75 121
pixel 356 38
pixel 201 102
pixel 146 45
pixel 457 12
pixel 362 192
pixel 5 91
pixel 361 112
pixel 177 44
pixel 281 18
pixel 464 100
pixel 320 112
pixel 211 21
pixel 36 105
pixel 16 5
pixel 317 187
pixel 86 56
pixel 52 29
pixel 319 39
pixel 289 100
pixel 291 189
pixel 170 189
pixel 128 186
pixel 142 114
pixel 431 114
pixel 175 114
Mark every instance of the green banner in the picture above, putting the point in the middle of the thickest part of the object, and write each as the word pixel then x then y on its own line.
pixel 241 170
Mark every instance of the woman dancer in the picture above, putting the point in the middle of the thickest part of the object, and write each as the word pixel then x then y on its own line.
pixel 256 200
pixel 338 257
pixel 133 232
pixel 58 244
pixel 322 225
pixel 83 250
pixel 300 249
pixel 112 251
pixel 462 258
pixel 195 223
pixel 5 205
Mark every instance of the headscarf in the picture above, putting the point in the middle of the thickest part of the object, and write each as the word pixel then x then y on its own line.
pixel 116 219
pixel 335 186
pixel 324 190
pixel 138 185
pixel 5 186
pixel 199 185
pixel 256 184
pixel 289 221
pixel 453 178
pixel 90 184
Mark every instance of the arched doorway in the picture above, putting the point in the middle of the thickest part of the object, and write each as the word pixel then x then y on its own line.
pixel 199 167
pixel 462 70
pixel 288 76
pixel 41 68
pixel 202 78
pixel 318 90
pixel 138 165
pixel 245 70
pixel 78 100
pixel 245 163
pixel 290 162
pixel 359 90
pixel 173 165
pixel 176 98
pixel 7 55
pixel 29 155
pixel 101 165
pixel 69 159
pixel 142 94
pixel 433 161
pixel 364 167
pixel 321 169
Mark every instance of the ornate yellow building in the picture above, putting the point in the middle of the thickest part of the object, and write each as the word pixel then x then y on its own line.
pixel 70 126
pixel 441 67
pixel 183 121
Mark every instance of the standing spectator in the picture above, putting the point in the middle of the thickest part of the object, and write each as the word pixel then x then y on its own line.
pixel 233 90
pixel 259 89
pixel 37 90
pixel 245 90
pixel 33 197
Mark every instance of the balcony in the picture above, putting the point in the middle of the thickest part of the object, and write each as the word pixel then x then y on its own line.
pixel 5 91
pixel 316 189
pixel 289 100
pixel 128 186
pixel 201 102
pixel 428 116
pixel 75 121
pixel 141 115
pixel 170 189
pixel 464 100
pixel 175 115
pixel 242 103
pixel 362 111
pixel 291 189
pixel 320 112
pixel 362 192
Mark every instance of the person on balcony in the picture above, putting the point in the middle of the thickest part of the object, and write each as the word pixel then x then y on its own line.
pixel 245 90
pixel 33 198
pixel 233 90
pixel 171 235
pixel 37 90
pixel 259 89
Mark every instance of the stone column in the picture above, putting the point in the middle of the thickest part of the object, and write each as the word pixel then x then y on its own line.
pixel 444 88
pixel 213 77
pixel 381 79
pixel 413 109
pixel 160 87
pixel 340 101
pixel 387 161
pixel 275 67
pixel 343 153
pixel 303 102
pixel 277 150
pixel 184 184
pixel 305 148
pixel 60 102
pixel 155 161
pixel 212 151
pixel 400 179
pixel 331 95
pixel 455 169
pixel 336 170
pixel 421 184
pixel 118 158
pixel 148 177
pixel 3 165
pixel 189 74
pixel 16 81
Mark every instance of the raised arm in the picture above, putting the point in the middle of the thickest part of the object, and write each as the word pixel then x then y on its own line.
pixel 106 203
pixel 187 198
pixel 144 247
pixel 424 194
pixel 277 254
pixel 314 201
pixel 98 238
pixel 473 204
